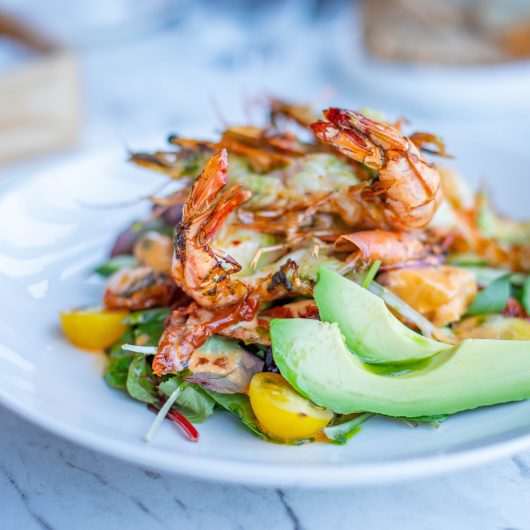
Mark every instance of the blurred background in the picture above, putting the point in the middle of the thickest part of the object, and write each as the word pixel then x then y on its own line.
pixel 81 75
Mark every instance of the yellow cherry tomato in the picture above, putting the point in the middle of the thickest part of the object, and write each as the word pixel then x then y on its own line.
pixel 283 413
pixel 93 328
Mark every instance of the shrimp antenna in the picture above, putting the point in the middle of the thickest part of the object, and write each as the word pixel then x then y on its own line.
pixel 248 104
pixel 217 111
pixel 123 204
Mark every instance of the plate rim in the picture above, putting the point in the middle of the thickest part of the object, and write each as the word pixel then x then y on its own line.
pixel 271 474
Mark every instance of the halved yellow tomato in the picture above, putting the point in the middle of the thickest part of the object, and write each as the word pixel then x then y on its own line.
pixel 93 328
pixel 283 413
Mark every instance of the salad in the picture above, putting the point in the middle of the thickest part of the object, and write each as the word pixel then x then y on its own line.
pixel 308 275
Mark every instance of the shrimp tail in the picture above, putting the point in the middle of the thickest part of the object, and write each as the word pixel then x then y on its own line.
pixel 211 181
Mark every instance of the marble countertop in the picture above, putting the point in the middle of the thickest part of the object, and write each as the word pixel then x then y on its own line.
pixel 176 78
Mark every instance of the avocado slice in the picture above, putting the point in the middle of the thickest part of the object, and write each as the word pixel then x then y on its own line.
pixel 370 329
pixel 313 357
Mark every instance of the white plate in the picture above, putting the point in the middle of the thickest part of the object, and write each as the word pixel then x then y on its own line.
pixel 48 244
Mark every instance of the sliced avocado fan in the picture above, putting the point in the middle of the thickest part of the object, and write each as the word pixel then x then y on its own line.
pixel 368 326
pixel 313 357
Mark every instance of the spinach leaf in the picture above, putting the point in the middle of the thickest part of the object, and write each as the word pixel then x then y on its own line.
pixel 192 401
pixel 119 360
pixel 114 265
pixel 493 298
pixel 131 372
pixel 525 295
pixel 486 275
pixel 148 334
pixel 148 315
pixel 342 432
pixel 239 404
pixel 432 421
pixel 141 383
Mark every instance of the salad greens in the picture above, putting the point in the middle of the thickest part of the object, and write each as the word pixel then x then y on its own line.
pixel 193 402
pixel 115 264
pixel 148 315
pixel 493 298
pixel 131 372
pixel 141 384
pixel 525 295
pixel 370 275
pixel 340 433
pixel 239 404
pixel 117 370
pixel 146 328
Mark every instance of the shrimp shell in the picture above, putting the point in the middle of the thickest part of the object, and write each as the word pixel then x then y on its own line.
pixel 390 248
pixel 407 186
pixel 201 271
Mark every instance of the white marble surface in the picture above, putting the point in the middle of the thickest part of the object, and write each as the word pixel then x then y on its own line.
pixel 138 89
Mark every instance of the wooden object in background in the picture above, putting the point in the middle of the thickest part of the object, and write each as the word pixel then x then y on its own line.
pixel 40 107
pixel 449 31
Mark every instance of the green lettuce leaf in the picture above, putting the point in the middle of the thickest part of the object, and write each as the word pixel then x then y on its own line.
pixel 239 404
pixel 342 432
pixel 141 383
pixel 117 369
pixel 147 327
pixel 115 264
pixel 192 401
pixel 525 295
pixel 493 298
pixel 147 315
pixel 148 334
pixel 432 421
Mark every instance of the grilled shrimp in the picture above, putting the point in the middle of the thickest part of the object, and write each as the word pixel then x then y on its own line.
pixel 408 187
pixel 190 328
pixel 291 276
pixel 202 271
pixel 154 250
pixel 212 260
pixel 138 288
